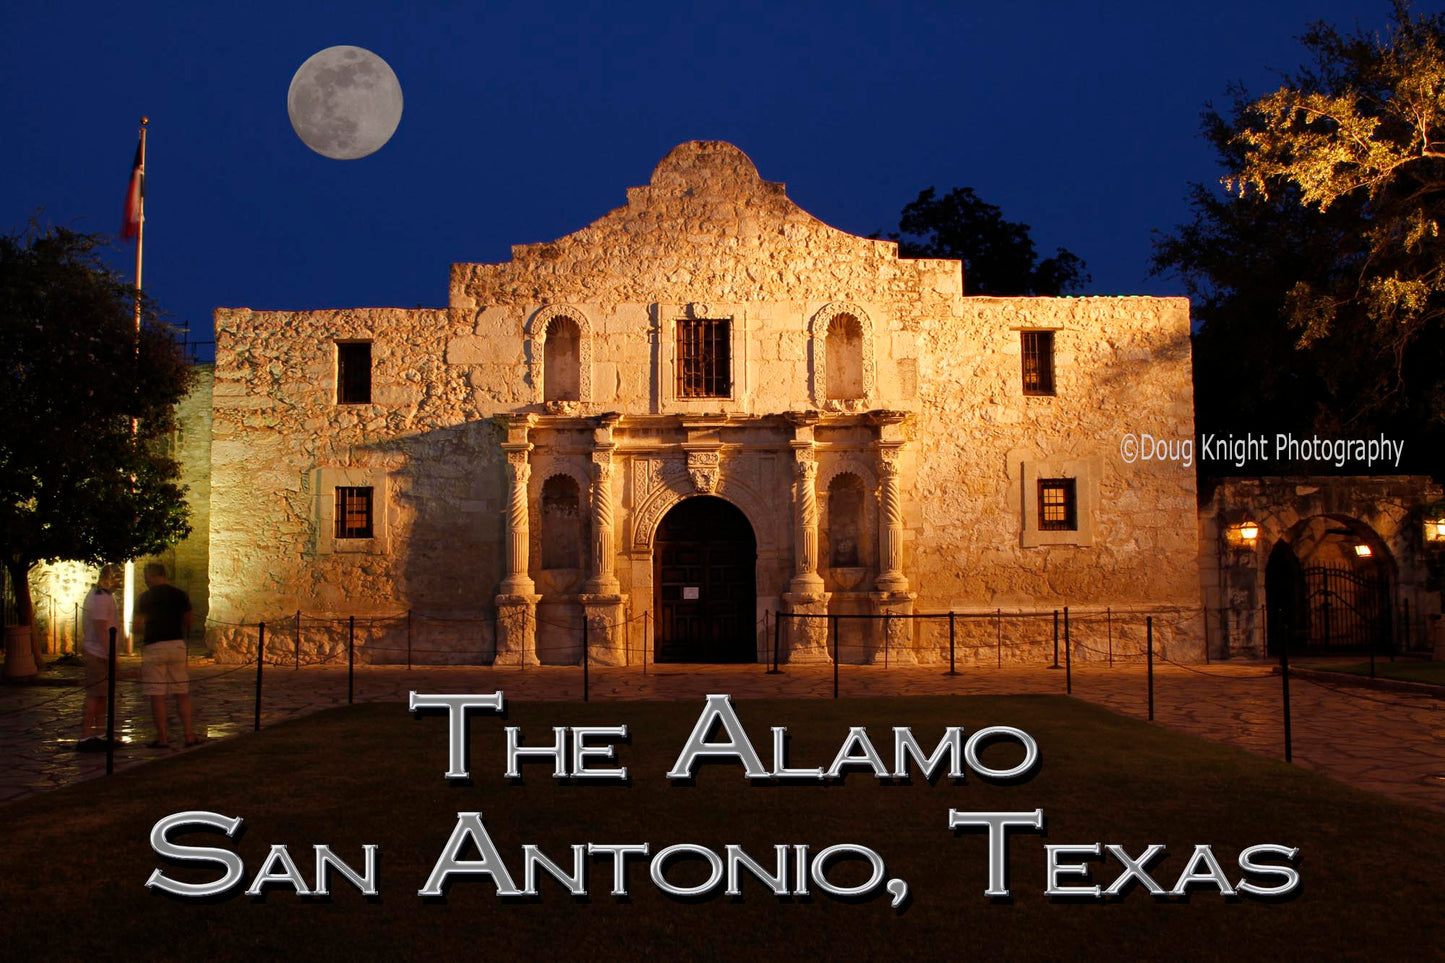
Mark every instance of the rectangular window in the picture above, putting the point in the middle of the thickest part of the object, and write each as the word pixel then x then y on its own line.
pixel 353 372
pixel 353 513
pixel 1058 505
pixel 704 364
pixel 1038 362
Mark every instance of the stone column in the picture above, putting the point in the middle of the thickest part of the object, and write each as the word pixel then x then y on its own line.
pixel 602 578
pixel 602 603
pixel 806 579
pixel 891 639
pixel 890 523
pixel 808 637
pixel 517 602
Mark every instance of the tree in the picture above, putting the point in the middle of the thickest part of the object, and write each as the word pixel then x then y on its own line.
pixel 86 407
pixel 1319 279
pixel 998 256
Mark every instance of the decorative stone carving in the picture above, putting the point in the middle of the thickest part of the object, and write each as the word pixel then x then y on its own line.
pixel 517 630
pixel 603 580
pixel 606 629
pixel 818 333
pixel 537 338
pixel 890 522
pixel 806 580
pixel 517 581
pixel 807 630
pixel 705 469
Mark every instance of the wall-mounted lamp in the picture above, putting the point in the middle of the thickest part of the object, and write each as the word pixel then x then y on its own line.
pixel 1242 534
pixel 1363 551
pixel 1435 530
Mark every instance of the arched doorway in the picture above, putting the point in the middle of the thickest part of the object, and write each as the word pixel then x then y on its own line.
pixel 1328 588
pixel 704 583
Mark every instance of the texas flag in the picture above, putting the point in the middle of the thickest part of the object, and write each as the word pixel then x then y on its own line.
pixel 135 196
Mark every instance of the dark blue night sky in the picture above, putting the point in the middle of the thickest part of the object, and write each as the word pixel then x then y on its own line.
pixel 525 122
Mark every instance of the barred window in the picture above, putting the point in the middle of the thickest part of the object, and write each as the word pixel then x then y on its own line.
pixel 1038 353
pixel 1058 505
pixel 353 372
pixel 353 513
pixel 704 368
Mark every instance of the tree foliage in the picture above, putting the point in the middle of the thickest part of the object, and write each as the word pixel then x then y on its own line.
pixel 998 256
pixel 1319 278
pixel 87 407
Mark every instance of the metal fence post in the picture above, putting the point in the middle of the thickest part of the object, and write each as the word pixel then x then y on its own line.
pixel 777 629
pixel 260 661
pixel 1149 656
pixel 298 638
pixel 585 660
pixel 834 620
pixel 1068 656
pixel 1056 641
pixel 952 667
pixel 646 634
pixel 350 659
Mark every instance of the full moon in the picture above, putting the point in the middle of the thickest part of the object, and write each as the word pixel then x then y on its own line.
pixel 344 102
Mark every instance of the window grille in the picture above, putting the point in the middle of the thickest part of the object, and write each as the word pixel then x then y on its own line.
pixel 1057 505
pixel 1038 353
pixel 353 372
pixel 704 368
pixel 353 513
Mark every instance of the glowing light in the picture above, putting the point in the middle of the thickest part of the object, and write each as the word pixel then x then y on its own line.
pixel 1363 551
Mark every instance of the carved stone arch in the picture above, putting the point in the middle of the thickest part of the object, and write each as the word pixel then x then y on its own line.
pixel 545 469
pixel 647 516
pixel 847 463
pixel 841 466
pixel 537 345
pixel 818 335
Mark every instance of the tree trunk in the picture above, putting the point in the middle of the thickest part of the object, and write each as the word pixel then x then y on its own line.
pixel 21 656
pixel 19 570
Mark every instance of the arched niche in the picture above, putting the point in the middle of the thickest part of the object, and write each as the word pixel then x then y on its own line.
pixel 844 373
pixel 563 368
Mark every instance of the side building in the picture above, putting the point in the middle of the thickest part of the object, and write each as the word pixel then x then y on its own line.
pixel 703 411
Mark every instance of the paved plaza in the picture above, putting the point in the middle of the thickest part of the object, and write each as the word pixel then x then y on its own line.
pixel 1388 742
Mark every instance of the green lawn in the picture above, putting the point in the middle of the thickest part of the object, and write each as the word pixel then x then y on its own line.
pixel 1405 670
pixel 73 869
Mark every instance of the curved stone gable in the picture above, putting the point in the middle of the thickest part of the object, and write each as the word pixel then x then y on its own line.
pixel 706 222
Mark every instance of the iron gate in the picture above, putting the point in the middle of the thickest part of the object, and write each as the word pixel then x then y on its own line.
pixel 1344 609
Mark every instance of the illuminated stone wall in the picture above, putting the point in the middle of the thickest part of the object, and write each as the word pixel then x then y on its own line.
pixel 931 422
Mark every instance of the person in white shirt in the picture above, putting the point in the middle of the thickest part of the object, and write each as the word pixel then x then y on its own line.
pixel 99 616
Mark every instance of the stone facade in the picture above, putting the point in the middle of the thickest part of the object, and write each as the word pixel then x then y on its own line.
pixel 523 448
pixel 1317 541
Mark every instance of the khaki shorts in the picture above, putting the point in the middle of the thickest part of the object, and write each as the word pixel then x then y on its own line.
pixel 97 676
pixel 163 669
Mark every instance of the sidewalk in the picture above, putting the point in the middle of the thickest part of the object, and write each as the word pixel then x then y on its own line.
pixel 1386 742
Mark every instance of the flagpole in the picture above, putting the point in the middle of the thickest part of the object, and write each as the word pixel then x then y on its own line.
pixel 128 601
pixel 140 237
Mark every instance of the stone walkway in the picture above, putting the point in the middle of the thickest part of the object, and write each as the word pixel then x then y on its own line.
pixel 1386 742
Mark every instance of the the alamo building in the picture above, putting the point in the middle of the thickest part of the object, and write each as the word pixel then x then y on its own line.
pixel 703 410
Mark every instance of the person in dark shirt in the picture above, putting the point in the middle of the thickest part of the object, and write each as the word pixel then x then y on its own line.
pixel 166 613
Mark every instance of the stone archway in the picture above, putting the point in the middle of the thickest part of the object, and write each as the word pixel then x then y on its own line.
pixel 1340 589
pixel 704 565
